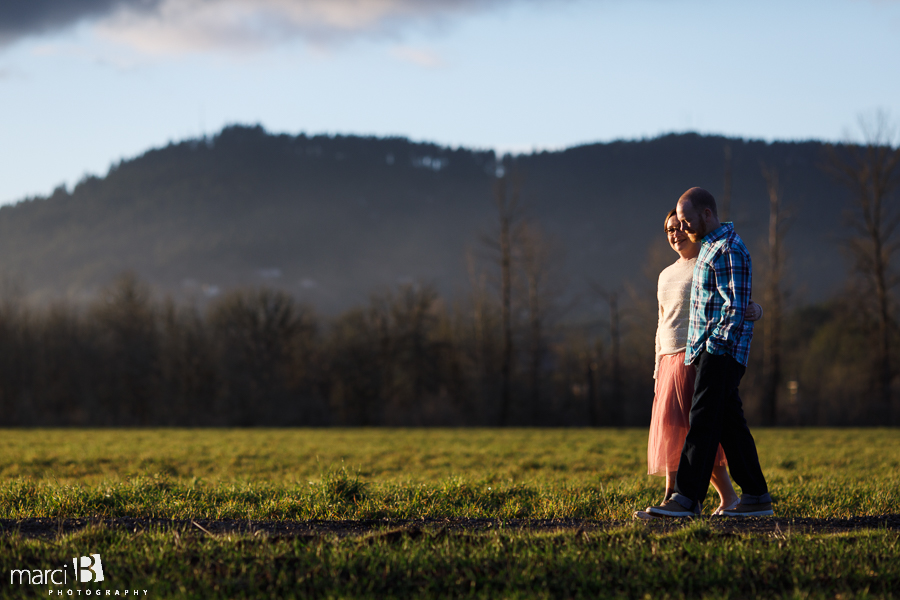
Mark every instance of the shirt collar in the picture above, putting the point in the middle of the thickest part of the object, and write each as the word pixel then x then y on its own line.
pixel 718 233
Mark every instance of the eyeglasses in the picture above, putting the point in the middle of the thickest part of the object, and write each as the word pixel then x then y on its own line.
pixel 671 230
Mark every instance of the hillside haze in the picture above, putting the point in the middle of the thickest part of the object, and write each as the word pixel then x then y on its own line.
pixel 332 219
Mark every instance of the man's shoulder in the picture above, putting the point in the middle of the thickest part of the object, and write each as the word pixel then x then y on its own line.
pixel 729 249
pixel 731 235
pixel 729 242
pixel 734 243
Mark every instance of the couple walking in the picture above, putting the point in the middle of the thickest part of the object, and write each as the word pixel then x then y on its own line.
pixel 698 431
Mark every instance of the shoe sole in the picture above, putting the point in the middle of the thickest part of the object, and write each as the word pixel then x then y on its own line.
pixel 661 513
pixel 758 513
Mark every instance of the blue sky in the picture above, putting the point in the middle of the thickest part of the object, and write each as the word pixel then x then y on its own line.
pixel 83 85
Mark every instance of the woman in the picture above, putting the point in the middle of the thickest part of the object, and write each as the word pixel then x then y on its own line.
pixel 675 380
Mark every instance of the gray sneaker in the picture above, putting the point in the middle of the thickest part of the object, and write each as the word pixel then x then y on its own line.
pixel 762 509
pixel 671 508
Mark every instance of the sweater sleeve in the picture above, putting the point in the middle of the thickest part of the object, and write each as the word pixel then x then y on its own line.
pixel 658 344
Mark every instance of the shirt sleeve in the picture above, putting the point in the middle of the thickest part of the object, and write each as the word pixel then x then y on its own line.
pixel 732 271
pixel 658 345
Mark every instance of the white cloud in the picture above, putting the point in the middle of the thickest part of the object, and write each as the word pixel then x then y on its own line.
pixel 180 26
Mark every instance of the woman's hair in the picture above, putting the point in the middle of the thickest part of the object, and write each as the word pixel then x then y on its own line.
pixel 668 216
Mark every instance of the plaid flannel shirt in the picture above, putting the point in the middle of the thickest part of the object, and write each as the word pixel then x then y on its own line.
pixel 719 296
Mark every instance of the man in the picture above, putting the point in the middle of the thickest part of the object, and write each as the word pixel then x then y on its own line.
pixel 718 346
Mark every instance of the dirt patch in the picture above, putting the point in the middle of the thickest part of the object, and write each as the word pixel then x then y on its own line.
pixel 389 529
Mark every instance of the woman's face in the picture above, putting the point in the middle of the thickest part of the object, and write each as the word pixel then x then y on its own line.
pixel 677 238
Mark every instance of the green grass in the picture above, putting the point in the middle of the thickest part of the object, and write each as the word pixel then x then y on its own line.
pixel 409 474
pixel 296 474
pixel 290 455
pixel 629 562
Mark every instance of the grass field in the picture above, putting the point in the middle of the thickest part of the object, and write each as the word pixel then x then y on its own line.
pixel 593 475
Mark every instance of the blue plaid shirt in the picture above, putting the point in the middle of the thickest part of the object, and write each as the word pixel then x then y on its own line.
pixel 719 296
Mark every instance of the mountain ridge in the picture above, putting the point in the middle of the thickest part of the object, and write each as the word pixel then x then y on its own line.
pixel 332 218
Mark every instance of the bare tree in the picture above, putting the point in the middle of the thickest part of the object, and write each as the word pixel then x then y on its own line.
pixel 615 338
pixel 579 358
pixel 726 187
pixel 413 314
pixel 256 335
pixel 537 255
pixel 509 218
pixel 773 299
pixel 481 311
pixel 126 320
pixel 612 401
pixel 590 376
pixel 871 171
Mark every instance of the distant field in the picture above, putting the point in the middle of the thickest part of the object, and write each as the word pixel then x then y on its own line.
pixel 581 474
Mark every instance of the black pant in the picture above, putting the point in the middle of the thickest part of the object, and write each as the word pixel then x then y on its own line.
pixel 717 416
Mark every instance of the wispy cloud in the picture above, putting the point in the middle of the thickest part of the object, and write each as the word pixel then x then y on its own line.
pixel 179 26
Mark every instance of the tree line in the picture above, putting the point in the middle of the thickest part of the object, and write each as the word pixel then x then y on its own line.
pixel 257 357
pixel 510 352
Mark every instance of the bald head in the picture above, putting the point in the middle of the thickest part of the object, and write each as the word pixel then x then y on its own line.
pixel 696 211
pixel 700 199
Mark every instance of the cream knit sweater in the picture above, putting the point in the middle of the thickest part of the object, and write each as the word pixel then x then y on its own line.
pixel 674 296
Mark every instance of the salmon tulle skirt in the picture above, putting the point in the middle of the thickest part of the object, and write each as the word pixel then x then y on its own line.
pixel 671 415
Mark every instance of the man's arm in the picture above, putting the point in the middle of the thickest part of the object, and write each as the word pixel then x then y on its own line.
pixel 732 271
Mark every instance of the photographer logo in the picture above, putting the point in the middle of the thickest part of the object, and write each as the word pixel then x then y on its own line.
pixel 88 568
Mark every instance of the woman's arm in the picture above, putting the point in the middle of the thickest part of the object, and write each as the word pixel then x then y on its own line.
pixel 658 345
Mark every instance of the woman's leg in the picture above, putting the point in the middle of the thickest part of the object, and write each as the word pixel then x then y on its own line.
pixel 722 482
pixel 670 485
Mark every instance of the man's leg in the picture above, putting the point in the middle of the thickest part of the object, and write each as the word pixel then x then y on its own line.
pixel 717 381
pixel 743 462
pixel 740 449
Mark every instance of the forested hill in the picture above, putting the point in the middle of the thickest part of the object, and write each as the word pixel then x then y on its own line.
pixel 332 219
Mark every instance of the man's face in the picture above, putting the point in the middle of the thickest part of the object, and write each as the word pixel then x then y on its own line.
pixel 692 221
